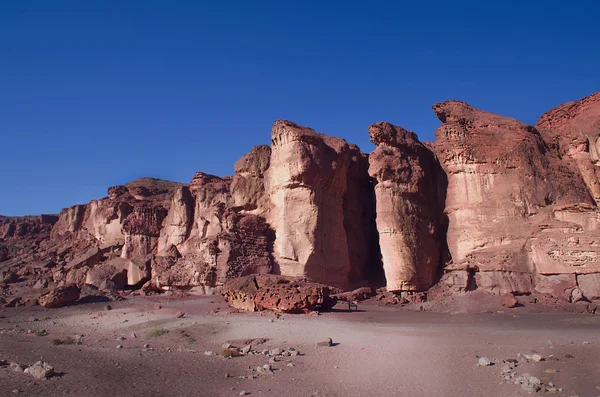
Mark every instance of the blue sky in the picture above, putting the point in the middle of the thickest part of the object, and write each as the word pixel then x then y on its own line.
pixel 97 93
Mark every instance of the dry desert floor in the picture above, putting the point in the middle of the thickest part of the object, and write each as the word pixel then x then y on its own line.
pixel 377 351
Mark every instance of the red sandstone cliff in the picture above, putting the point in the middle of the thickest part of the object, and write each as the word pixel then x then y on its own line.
pixel 493 204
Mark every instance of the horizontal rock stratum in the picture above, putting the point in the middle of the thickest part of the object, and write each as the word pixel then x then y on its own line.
pixel 493 204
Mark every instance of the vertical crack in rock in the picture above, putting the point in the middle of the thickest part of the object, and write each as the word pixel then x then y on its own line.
pixel 410 193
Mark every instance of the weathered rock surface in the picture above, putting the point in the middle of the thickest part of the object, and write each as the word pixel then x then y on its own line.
pixel 277 293
pixel 515 209
pixel 572 131
pixel 494 204
pixel 307 184
pixel 61 296
pixel 410 191
pixel 40 370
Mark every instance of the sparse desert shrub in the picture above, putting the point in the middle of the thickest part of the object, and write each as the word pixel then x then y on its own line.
pixel 156 332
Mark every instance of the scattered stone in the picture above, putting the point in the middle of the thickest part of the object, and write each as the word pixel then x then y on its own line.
pixel 537 357
pixel 146 346
pixel 246 349
pixel 40 370
pixel 275 352
pixel 326 343
pixel 290 364
pixel 133 335
pixel 108 307
pixel 121 338
pixel 119 346
pixel 180 314
pixel 209 353
pixel 484 362
pixel 244 393
pixel 16 367
pixel 568 356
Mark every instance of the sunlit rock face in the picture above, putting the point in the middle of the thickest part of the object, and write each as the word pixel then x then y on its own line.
pixel 493 205
pixel 410 191
pixel 307 181
pixel 518 214
pixel 500 175
pixel 572 131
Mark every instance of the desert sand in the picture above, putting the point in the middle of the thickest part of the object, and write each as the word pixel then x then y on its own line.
pixel 377 351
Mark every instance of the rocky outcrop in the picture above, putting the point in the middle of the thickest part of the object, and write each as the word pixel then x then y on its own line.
pixel 307 181
pixel 248 192
pixel 494 205
pixel 515 209
pixel 572 131
pixel 410 192
pixel 59 297
pixel 277 293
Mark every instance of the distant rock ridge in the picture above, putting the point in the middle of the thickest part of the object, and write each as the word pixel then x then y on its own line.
pixel 493 205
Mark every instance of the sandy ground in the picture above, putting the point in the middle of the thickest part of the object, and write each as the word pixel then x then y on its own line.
pixel 380 351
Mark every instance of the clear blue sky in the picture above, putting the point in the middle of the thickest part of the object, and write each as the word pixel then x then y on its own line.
pixel 97 93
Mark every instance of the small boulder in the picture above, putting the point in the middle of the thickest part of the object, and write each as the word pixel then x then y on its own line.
pixel 40 370
pixel 484 362
pixel 325 343
pixel 508 300
pixel 60 296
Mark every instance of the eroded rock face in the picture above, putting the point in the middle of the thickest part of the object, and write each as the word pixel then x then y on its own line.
pixel 307 181
pixel 572 131
pixel 410 194
pixel 515 208
pixel 502 206
pixel 277 293
pixel 248 192
pixel 61 296
pixel 177 225
pixel 500 174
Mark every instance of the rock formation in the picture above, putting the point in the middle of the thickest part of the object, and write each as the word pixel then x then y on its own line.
pixel 307 181
pixel 277 293
pixel 494 205
pixel 572 131
pixel 410 191
pixel 516 211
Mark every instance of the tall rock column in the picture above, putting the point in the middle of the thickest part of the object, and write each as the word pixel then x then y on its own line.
pixel 306 181
pixel 410 195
